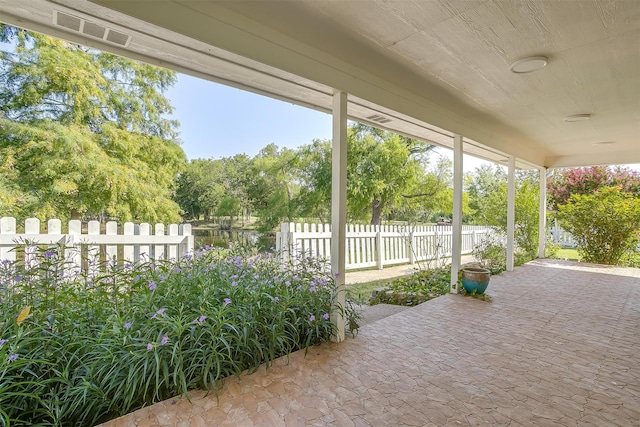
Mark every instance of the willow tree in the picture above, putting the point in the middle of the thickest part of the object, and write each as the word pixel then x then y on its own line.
pixel 84 133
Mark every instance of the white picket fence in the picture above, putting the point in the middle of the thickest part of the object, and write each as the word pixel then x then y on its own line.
pixel 562 237
pixel 375 246
pixel 566 240
pixel 136 243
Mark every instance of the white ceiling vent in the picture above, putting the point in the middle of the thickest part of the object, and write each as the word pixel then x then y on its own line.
pixel 378 118
pixel 90 29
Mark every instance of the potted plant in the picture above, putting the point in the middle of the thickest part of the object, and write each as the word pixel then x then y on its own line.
pixel 475 279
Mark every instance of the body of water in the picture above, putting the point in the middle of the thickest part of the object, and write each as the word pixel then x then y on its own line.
pixel 222 238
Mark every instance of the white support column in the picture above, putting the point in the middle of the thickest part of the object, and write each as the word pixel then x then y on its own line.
pixel 456 230
pixel 542 220
pixel 511 211
pixel 339 207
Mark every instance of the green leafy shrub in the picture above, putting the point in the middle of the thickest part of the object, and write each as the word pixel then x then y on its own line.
pixel 91 349
pixel 491 253
pixel 630 259
pixel 414 289
pixel 551 249
pixel 605 224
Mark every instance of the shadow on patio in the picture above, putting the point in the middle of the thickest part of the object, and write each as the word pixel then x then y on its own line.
pixel 558 345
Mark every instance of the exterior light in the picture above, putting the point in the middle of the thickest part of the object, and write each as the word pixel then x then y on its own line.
pixel 529 65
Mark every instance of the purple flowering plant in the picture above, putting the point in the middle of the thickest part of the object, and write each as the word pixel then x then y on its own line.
pixel 191 317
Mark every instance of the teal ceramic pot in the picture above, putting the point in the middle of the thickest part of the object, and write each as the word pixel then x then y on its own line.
pixel 475 279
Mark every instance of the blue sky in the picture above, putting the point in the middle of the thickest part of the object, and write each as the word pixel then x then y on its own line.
pixel 220 121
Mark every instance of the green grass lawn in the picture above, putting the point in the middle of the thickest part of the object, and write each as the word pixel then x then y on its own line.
pixel 568 253
pixel 361 292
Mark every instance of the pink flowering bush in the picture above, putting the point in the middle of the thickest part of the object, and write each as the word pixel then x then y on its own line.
pixel 587 180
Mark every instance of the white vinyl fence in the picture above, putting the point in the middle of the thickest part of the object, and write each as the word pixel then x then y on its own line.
pixel 375 246
pixel 138 242
pixel 563 238
pixel 566 240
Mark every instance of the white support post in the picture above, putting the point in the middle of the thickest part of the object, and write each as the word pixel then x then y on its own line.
pixel 339 207
pixel 511 212
pixel 542 219
pixel 456 230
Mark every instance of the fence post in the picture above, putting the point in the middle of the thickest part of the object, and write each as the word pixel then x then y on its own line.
pixel 158 250
pixel 93 251
pixel 7 226
pixel 128 252
pixel 111 250
pixel 54 226
pixel 436 245
pixel 31 226
pixel 380 260
pixel 187 246
pixel 173 250
pixel 73 254
pixel 145 250
pixel 473 240
pixel 410 248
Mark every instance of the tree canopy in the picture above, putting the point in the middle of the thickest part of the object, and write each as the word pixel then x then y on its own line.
pixel 387 175
pixel 83 133
pixel 487 189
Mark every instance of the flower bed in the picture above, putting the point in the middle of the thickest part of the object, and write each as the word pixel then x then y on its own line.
pixel 79 351
pixel 415 289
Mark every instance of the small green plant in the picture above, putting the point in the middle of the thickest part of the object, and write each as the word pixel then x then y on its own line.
pixel 77 349
pixel 483 297
pixel 551 249
pixel 414 289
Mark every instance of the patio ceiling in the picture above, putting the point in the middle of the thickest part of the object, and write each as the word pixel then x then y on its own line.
pixel 423 68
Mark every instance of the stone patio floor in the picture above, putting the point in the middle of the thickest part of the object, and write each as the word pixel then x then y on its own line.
pixel 559 345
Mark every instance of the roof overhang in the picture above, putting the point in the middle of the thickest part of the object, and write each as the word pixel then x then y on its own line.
pixel 277 49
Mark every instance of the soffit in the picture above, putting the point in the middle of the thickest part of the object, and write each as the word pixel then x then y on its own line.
pixel 429 66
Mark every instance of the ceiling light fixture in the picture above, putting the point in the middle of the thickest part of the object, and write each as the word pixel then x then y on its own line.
pixel 577 118
pixel 603 143
pixel 529 64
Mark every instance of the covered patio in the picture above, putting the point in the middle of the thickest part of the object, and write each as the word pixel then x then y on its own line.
pixel 558 345
pixel 533 85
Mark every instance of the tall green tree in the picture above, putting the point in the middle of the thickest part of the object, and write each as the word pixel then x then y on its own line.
pixel 83 133
pixel 487 189
pixel 382 167
pixel 314 199
pixel 387 174
pixel 275 185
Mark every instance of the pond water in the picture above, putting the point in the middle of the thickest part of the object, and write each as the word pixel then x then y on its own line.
pixel 222 238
